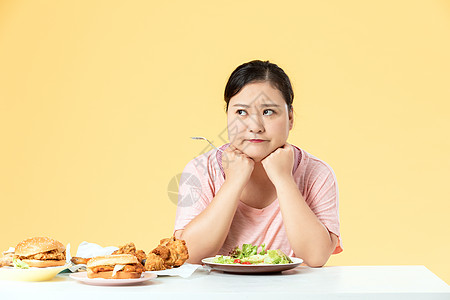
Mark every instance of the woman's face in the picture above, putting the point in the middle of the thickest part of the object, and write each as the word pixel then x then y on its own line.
pixel 259 120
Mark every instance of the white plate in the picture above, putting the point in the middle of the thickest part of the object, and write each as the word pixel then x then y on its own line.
pixel 252 269
pixel 31 274
pixel 82 277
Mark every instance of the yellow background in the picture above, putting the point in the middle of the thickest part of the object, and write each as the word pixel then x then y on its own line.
pixel 98 100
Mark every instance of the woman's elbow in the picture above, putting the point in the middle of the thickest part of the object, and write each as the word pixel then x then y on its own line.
pixel 316 262
pixel 320 258
pixel 317 259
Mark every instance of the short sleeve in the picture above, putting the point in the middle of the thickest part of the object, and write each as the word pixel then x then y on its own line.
pixel 194 192
pixel 322 196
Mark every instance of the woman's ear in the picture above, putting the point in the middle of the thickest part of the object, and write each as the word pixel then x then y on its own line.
pixel 291 118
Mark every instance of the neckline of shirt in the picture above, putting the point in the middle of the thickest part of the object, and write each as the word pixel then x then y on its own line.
pixel 260 211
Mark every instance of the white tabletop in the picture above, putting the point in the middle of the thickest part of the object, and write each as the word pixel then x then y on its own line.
pixel 358 282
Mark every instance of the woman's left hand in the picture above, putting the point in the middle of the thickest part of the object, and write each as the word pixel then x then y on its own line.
pixel 279 164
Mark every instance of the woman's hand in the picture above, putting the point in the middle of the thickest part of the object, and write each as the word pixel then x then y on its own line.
pixel 238 167
pixel 279 164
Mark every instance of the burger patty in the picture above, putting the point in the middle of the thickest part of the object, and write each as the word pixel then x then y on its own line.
pixel 128 268
pixel 49 255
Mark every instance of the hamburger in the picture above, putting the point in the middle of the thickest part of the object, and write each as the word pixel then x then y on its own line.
pixel 119 266
pixel 41 252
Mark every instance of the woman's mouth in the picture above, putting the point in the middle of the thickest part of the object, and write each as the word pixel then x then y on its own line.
pixel 256 141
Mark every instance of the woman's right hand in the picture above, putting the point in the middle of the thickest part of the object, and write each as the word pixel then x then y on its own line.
pixel 238 167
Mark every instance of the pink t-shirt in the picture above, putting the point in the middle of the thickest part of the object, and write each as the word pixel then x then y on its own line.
pixel 204 175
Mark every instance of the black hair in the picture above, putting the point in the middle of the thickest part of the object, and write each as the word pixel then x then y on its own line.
pixel 255 71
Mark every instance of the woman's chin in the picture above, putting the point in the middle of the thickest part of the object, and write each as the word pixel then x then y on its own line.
pixel 257 153
pixel 257 157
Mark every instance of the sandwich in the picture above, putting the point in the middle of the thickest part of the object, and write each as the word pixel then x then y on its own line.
pixel 120 266
pixel 41 252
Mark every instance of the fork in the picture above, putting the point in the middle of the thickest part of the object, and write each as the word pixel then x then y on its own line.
pixel 203 138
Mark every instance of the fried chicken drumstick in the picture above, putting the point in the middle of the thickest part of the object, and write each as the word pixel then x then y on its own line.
pixel 170 253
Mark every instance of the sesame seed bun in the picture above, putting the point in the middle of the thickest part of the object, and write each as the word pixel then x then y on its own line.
pixel 36 245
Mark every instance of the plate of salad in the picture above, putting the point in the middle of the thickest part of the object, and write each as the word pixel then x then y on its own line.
pixel 248 260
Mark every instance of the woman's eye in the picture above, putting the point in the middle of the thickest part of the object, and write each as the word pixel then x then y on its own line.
pixel 268 112
pixel 241 112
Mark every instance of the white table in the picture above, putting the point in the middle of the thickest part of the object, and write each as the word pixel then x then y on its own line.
pixel 359 282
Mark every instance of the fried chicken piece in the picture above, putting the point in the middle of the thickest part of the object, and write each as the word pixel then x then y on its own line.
pixel 49 255
pixel 162 251
pixel 7 259
pixel 134 268
pixel 164 242
pixel 127 268
pixel 179 248
pixel 140 255
pixel 154 262
pixel 176 250
pixel 170 253
pixel 169 262
pixel 130 248
pixel 79 260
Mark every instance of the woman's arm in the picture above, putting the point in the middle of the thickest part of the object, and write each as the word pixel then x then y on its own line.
pixel 207 232
pixel 309 238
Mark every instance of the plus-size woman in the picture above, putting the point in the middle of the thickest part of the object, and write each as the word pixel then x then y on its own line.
pixel 258 188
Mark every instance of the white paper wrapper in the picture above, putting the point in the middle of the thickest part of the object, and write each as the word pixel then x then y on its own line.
pixel 185 271
pixel 68 256
pixel 88 250
pixel 10 250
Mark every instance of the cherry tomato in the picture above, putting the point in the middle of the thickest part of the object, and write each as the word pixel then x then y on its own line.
pixel 246 263
pixel 237 261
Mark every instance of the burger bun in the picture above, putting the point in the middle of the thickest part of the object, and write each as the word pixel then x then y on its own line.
pixel 111 260
pixel 36 245
pixel 118 275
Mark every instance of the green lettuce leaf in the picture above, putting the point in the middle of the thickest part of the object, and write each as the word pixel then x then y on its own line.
pixel 263 251
pixel 20 264
pixel 220 259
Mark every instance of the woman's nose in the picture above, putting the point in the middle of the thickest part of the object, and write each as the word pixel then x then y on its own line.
pixel 255 124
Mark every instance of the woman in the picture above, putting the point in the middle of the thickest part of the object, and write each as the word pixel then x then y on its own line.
pixel 259 189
